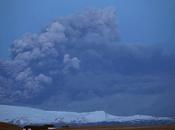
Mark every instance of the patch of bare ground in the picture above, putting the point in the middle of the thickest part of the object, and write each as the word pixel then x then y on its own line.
pixel 7 126
pixel 170 127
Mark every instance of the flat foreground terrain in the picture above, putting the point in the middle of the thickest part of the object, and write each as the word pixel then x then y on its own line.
pixel 122 128
pixel 5 126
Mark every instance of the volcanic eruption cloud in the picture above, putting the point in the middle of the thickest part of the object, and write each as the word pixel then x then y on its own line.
pixel 77 63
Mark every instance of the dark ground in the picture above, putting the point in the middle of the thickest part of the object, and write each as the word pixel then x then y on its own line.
pixel 5 126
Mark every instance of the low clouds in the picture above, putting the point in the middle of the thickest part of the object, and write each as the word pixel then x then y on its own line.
pixel 79 61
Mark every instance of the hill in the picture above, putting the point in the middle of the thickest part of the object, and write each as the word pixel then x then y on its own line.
pixel 25 116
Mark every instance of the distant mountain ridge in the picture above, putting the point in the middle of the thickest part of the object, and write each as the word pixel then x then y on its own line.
pixel 24 116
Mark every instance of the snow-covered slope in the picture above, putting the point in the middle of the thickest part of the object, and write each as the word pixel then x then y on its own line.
pixel 24 115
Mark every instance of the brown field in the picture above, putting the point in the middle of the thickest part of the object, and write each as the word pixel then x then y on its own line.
pixel 5 126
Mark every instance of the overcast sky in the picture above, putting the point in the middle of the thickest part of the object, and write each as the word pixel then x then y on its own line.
pixel 142 21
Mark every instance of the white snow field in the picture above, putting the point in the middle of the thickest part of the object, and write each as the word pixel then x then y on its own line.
pixel 26 115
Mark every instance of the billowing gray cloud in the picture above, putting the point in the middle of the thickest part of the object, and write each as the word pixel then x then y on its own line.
pixel 70 63
pixel 79 61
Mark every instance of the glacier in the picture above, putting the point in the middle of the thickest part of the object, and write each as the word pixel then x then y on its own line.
pixel 25 116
